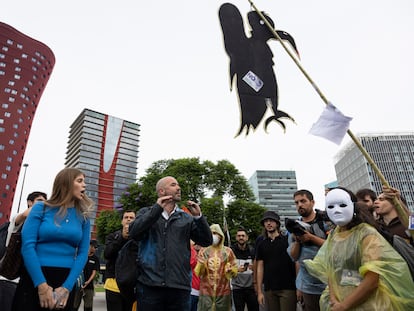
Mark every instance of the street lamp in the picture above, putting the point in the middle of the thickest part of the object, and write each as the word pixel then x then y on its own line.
pixel 25 165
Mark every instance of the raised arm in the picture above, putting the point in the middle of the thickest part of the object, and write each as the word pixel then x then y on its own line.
pixel 146 217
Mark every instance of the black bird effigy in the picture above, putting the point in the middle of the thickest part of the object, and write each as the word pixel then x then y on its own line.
pixel 251 64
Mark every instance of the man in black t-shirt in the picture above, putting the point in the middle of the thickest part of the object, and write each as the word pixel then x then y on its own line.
pixel 275 269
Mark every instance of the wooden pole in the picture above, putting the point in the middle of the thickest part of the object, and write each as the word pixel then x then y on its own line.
pixel 401 213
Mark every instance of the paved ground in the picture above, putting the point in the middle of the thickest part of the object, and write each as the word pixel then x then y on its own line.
pixel 99 303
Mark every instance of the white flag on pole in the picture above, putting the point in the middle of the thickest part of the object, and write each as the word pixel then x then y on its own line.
pixel 331 125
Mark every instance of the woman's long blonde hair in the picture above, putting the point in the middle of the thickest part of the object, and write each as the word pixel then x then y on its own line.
pixel 62 193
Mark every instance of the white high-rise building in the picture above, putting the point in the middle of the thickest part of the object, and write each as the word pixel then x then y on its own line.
pixel 274 190
pixel 393 153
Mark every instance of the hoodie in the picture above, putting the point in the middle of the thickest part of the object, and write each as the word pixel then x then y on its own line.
pixel 216 266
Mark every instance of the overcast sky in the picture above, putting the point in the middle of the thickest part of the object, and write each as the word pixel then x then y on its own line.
pixel 162 64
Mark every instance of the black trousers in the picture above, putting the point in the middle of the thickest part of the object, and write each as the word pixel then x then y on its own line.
pixel 26 297
pixel 151 298
pixel 245 296
pixel 116 302
pixel 7 290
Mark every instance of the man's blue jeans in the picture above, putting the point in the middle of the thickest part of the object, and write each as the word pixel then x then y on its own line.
pixel 162 298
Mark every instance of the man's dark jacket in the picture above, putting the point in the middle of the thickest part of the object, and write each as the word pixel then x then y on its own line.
pixel 113 243
pixel 164 245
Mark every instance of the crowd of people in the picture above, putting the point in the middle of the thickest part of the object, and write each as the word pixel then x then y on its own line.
pixel 340 257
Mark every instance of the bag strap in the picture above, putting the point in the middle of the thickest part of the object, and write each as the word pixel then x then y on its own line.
pixel 13 228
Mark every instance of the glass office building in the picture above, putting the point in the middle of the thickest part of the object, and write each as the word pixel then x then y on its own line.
pixel 25 68
pixel 393 154
pixel 105 148
pixel 274 190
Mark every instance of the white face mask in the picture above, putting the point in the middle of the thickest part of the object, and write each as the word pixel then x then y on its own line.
pixel 216 239
pixel 339 207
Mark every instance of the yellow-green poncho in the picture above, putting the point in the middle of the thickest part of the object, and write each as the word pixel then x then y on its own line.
pixel 346 256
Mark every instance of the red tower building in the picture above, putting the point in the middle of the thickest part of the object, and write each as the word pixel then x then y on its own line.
pixel 25 67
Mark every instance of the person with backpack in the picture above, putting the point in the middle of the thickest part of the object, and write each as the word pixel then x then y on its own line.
pixel 8 287
pixel 362 270
pixel 304 244
pixel 391 227
pixel 114 241
pixel 126 270
pixel 387 214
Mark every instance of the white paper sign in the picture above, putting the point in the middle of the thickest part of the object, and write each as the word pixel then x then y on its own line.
pixel 331 125
pixel 254 81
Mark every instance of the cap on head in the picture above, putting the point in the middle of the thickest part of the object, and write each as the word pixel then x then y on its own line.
pixel 270 215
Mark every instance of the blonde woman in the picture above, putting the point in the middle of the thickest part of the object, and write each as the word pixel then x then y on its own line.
pixel 55 244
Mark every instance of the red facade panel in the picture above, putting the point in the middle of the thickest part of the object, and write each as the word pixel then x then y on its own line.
pixel 25 68
pixel 106 177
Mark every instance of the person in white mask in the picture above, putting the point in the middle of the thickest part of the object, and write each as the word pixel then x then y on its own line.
pixel 361 269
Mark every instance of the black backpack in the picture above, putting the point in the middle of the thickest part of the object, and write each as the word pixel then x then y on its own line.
pixel 3 236
pixel 126 269
pixel 406 251
pixel 404 248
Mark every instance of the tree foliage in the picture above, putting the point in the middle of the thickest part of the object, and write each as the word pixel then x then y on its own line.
pixel 246 215
pixel 213 209
pixel 107 222
pixel 238 213
pixel 224 179
pixel 205 182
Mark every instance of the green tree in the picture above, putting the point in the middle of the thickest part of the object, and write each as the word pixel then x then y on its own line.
pixel 190 174
pixel 107 222
pixel 224 179
pixel 213 209
pixel 205 182
pixel 136 196
pixel 241 213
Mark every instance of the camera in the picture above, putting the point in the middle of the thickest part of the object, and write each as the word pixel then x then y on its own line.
pixel 296 227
